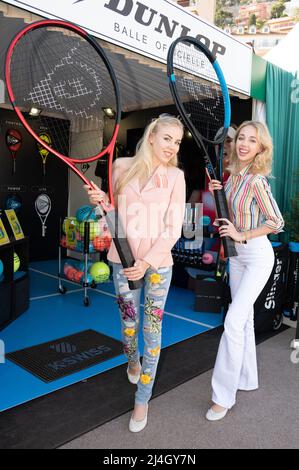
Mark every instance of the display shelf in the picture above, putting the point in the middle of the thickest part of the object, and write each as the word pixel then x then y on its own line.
pixel 86 252
pixel 14 289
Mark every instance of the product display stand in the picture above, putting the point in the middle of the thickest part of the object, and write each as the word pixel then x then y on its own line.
pixel 14 288
pixel 73 275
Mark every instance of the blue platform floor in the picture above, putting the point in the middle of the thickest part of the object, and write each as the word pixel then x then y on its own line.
pixel 52 316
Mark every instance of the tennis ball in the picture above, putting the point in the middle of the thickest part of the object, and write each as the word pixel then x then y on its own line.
pixel 99 243
pixel 16 262
pixel 69 223
pixel 63 241
pixel 85 212
pixel 207 258
pixel 94 229
pixel 100 272
pixel 108 240
pixel 13 202
pixel 206 220
pixel 79 245
pixel 78 276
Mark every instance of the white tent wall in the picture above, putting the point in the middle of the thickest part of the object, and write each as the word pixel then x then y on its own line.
pixel 285 54
pixel 259 111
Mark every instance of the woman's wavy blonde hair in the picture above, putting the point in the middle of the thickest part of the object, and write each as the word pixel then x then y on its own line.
pixel 142 163
pixel 262 164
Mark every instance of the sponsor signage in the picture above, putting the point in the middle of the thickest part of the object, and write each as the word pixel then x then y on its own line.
pixel 148 27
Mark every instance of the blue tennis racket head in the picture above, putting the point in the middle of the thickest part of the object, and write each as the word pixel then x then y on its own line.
pixel 201 96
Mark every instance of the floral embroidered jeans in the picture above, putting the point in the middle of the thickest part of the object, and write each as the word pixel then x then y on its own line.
pixel 156 288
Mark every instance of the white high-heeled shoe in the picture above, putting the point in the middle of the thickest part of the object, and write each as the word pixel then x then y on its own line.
pixel 214 415
pixel 133 378
pixel 137 426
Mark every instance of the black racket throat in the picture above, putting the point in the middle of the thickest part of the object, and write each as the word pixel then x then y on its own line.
pixel 121 244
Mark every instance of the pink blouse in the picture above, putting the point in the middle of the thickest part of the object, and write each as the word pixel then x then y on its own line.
pixel 153 215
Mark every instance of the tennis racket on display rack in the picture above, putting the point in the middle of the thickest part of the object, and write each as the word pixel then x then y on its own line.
pixel 43 152
pixel 68 79
pixel 13 139
pixel 201 96
pixel 43 208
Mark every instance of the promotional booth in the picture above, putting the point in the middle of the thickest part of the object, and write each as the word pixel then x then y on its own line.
pixel 57 342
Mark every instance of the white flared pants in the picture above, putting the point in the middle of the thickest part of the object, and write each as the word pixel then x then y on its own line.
pixel 236 365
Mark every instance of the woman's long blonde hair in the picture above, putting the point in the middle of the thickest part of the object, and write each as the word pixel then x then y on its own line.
pixel 262 163
pixel 142 163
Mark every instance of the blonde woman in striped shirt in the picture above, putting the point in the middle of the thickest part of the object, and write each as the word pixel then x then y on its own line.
pixel 254 215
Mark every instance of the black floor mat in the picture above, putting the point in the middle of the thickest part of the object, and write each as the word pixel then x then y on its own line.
pixel 72 411
pixel 64 356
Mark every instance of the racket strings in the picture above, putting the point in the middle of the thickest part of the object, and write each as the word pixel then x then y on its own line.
pixel 66 79
pixel 201 97
pixel 43 204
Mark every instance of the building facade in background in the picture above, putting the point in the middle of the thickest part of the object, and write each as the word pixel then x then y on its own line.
pixel 203 8
pixel 260 10
pixel 251 22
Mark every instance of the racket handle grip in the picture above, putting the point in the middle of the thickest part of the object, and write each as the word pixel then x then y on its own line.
pixel 222 212
pixel 121 244
pixel 133 285
pixel 229 247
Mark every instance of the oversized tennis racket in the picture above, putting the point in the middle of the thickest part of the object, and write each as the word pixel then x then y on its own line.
pixel 67 77
pixel 43 208
pixel 201 96
pixel 43 152
pixel 13 143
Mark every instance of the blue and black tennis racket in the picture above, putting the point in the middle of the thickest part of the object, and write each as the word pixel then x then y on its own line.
pixel 201 96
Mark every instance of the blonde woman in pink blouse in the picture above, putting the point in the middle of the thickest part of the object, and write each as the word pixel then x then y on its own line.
pixel 150 193
pixel 254 215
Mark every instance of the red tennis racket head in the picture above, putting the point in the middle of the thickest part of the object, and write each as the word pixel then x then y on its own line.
pixel 67 77
pixel 67 80
pixel 13 140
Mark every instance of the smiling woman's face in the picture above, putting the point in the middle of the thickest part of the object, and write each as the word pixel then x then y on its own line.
pixel 165 143
pixel 247 145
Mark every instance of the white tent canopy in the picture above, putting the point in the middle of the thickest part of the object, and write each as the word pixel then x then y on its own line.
pixel 285 54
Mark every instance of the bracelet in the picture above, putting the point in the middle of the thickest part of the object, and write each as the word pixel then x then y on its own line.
pixel 245 238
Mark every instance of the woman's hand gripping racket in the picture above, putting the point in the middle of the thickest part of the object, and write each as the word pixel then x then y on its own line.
pixel 62 72
pixel 201 96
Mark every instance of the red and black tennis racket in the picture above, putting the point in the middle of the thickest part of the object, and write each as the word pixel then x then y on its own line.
pixel 13 141
pixel 62 72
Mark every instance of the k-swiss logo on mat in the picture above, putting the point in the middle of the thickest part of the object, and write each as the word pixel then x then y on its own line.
pixel 64 348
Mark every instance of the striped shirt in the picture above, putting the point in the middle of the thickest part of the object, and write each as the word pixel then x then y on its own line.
pixel 251 203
